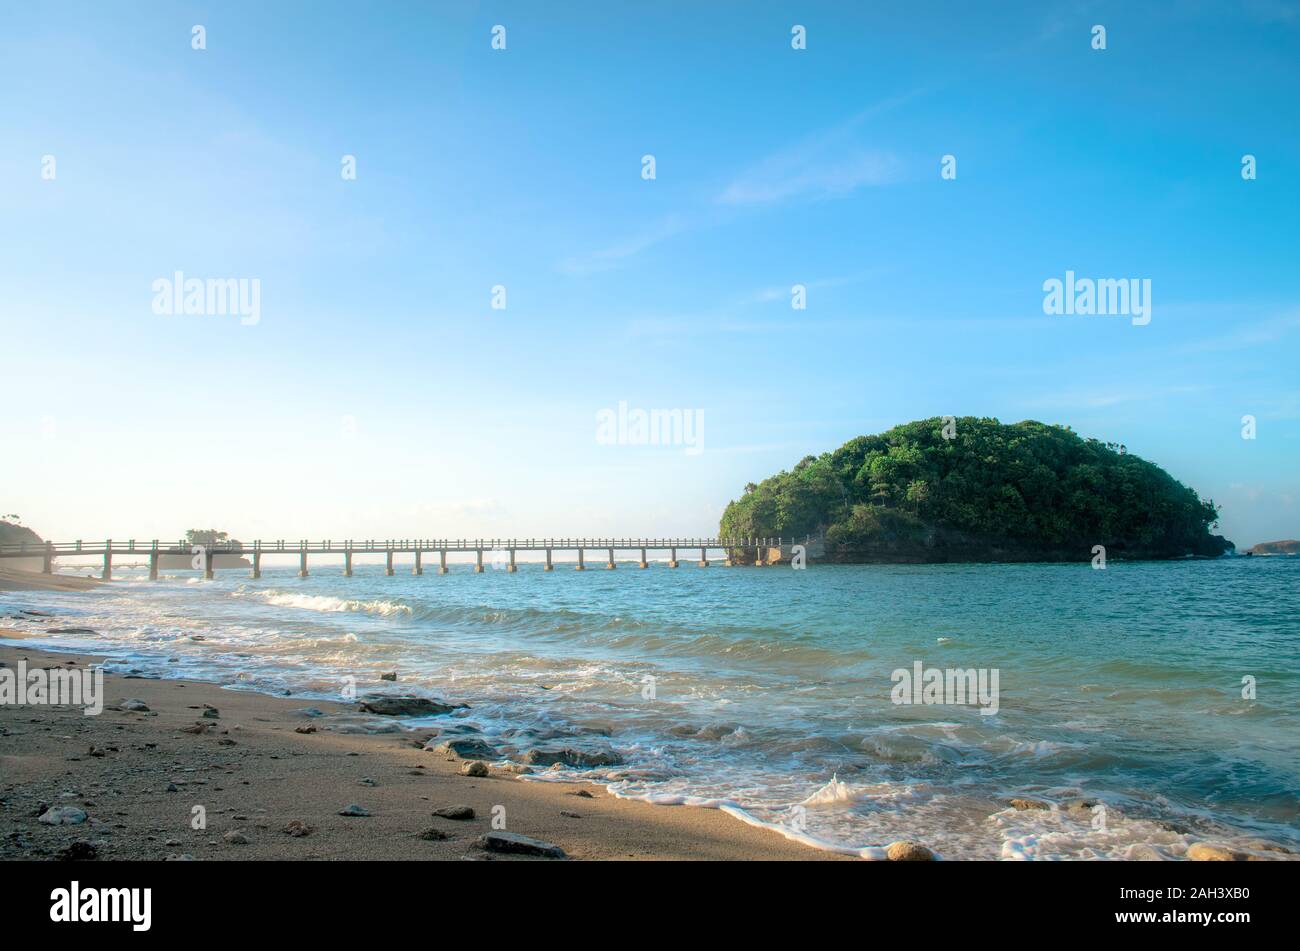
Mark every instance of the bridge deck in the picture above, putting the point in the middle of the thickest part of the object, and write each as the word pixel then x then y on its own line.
pixel 379 547
pixel 205 556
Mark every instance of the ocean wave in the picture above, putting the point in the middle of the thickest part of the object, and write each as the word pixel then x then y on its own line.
pixel 835 791
pixel 328 603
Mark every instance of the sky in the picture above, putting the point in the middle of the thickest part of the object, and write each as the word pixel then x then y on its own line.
pixel 379 393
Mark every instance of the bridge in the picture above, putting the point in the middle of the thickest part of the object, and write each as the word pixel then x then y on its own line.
pixel 766 551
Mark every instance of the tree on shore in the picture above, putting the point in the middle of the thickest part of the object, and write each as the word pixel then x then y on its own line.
pixel 11 533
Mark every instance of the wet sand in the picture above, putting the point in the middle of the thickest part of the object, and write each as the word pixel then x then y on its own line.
pixel 139 776
pixel 11 580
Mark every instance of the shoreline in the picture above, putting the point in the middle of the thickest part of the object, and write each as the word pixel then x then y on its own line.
pixel 139 776
pixel 266 702
pixel 14 580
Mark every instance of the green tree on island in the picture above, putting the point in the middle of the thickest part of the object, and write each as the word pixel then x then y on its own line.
pixel 211 538
pixel 992 492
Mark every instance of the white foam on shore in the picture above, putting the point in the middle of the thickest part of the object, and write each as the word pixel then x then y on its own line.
pixel 834 791
pixel 871 853
pixel 322 602
pixel 737 811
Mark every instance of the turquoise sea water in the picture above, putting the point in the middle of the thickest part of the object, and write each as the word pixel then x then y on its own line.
pixel 767 691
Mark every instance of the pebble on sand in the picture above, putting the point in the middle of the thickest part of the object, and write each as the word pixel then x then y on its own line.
pixel 78 852
pixel 407 706
pixel 62 816
pixel 297 828
pixel 353 809
pixel 455 812
pixel 908 852
pixel 516 844
pixel 236 838
pixel 474 768
pixel 1204 852
pixel 1023 804
pixel 464 747
pixel 138 706
pixel 580 759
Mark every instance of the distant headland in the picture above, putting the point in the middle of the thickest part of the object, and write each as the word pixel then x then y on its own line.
pixel 970 489
pixel 1287 547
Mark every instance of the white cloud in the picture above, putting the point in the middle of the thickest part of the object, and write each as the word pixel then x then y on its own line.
pixel 792 176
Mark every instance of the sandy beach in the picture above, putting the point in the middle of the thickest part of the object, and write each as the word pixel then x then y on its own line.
pixel 12 580
pixel 139 775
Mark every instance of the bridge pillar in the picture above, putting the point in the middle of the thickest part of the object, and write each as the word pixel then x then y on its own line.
pixel 511 567
pixel 672 558
pixel 549 566
pixel 610 564
pixel 108 560
pixel 442 561
pixel 302 564
pixel 347 564
pixel 758 556
pixel 581 566
pixel 47 566
pixel 704 558
pixel 388 569
pixel 644 564
pixel 419 564
pixel 153 566
pixel 478 564
pixel 257 565
pixel 207 564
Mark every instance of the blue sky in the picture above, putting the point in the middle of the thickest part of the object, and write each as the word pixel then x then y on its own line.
pixel 380 394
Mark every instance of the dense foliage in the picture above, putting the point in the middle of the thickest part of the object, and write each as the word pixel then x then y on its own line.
pixel 11 533
pixel 211 538
pixel 1030 485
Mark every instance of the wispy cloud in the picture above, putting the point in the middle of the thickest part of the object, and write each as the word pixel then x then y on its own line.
pixel 611 257
pixel 782 293
pixel 1258 334
pixel 1098 398
pixel 826 165
pixel 793 176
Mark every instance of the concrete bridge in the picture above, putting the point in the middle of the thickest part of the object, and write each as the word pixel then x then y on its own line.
pixel 765 551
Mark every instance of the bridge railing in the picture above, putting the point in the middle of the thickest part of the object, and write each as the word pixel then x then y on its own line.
pixel 182 546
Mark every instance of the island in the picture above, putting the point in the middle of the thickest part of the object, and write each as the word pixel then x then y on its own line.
pixel 971 489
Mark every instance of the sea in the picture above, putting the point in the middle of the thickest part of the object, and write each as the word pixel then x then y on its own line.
pixel 1131 711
